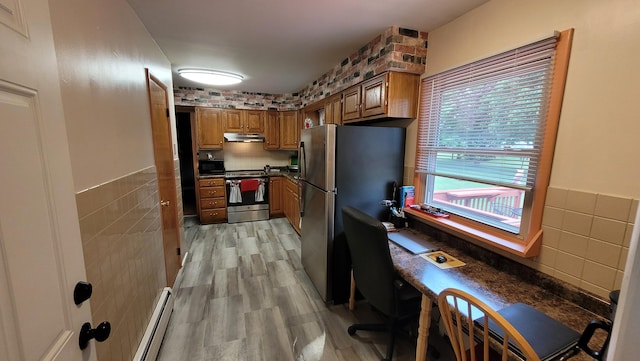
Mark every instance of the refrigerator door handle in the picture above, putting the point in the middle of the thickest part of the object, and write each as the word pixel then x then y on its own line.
pixel 303 161
pixel 300 199
pixel 303 174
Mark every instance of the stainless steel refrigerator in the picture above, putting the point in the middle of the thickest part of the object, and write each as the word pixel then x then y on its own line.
pixel 340 166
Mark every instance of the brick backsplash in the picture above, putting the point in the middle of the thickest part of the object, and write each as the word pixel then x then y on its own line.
pixel 395 49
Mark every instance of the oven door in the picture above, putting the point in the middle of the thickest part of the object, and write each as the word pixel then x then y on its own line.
pixel 247 191
pixel 247 199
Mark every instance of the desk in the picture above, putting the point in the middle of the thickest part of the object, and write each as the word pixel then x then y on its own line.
pixel 496 288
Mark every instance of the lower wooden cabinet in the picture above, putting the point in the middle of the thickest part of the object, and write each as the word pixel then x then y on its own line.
pixel 208 216
pixel 212 200
pixel 275 196
pixel 291 203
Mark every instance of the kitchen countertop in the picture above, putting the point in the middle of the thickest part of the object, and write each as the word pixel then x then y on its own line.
pixel 291 175
pixel 496 287
pixel 208 176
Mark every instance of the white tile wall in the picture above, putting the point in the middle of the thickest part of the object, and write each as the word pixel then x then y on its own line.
pixel 586 238
pixel 124 259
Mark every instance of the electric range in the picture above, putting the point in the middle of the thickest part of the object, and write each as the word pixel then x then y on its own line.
pixel 247 195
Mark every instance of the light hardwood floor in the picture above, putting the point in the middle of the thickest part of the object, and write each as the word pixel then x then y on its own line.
pixel 243 295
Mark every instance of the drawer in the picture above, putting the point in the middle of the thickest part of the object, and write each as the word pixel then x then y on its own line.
pixel 211 182
pixel 213 215
pixel 291 186
pixel 209 203
pixel 212 192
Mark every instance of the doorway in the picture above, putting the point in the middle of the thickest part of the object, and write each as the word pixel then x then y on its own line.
pixel 185 122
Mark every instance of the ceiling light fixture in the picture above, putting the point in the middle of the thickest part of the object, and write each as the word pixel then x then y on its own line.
pixel 211 77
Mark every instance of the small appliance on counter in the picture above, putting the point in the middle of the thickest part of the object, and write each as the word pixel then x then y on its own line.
pixel 211 166
pixel 293 164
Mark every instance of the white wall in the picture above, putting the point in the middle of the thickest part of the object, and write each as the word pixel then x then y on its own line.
pixel 599 122
pixel 103 49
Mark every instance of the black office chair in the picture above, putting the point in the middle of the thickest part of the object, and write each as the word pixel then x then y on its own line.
pixel 376 277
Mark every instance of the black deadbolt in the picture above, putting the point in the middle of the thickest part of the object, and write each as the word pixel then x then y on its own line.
pixel 82 292
pixel 100 333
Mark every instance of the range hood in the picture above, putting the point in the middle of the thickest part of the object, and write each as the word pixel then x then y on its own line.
pixel 244 138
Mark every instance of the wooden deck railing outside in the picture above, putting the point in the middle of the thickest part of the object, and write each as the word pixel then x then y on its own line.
pixel 499 202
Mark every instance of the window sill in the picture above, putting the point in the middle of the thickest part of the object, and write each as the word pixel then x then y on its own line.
pixel 465 230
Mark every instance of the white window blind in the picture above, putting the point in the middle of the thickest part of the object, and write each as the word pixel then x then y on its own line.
pixel 485 121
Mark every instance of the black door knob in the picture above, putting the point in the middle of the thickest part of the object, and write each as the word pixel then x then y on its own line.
pixel 100 333
pixel 82 292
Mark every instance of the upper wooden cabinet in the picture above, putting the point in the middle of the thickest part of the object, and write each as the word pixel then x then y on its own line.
pixel 233 120
pixel 300 126
pixel 314 112
pixel 244 121
pixel 351 103
pixel 325 111
pixel 388 95
pixel 333 109
pixel 209 128
pixel 254 121
pixel 272 131
pixel 289 130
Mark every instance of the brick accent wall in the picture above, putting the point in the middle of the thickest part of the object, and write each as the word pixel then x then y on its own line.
pixel 395 49
pixel 208 97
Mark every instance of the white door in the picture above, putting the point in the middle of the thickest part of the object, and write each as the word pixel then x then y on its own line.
pixel 40 249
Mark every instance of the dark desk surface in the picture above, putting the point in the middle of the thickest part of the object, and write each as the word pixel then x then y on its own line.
pixel 496 288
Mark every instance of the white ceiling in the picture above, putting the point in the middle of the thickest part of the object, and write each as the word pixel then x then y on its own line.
pixel 280 46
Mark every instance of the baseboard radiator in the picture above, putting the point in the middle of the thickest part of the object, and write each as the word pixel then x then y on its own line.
pixel 152 338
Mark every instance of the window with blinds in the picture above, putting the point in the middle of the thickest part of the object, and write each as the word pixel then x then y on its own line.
pixel 481 131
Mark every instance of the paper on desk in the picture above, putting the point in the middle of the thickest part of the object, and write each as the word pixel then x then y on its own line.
pixel 450 263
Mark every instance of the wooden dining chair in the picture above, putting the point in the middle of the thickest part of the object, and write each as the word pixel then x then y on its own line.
pixel 467 320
